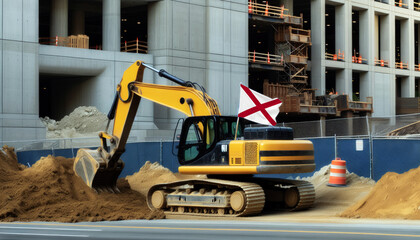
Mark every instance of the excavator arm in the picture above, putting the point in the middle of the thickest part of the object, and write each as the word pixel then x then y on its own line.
pixel 100 168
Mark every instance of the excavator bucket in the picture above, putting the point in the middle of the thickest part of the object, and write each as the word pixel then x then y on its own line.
pixel 95 172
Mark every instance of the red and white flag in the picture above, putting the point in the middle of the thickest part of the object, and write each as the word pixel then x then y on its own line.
pixel 257 107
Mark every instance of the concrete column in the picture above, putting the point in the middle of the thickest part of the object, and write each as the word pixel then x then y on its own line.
pixel 410 4
pixel 111 25
pixel 407 89
pixel 411 44
pixel 365 86
pixel 343 81
pixel 59 18
pixel 318 45
pixel 387 38
pixel 322 126
pixel 406 41
pixel 288 4
pixel 342 30
pixel 78 22
pixel 376 36
pixel 384 94
pixel 364 35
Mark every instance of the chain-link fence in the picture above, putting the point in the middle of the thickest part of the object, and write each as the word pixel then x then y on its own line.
pixel 397 126
pixel 401 126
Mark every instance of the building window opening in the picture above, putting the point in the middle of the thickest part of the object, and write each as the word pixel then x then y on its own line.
pixel 303 7
pixel 44 22
pixel 401 44
pixel 92 23
pixel 356 86
pixel 79 27
pixel 59 95
pixel 416 5
pixel 416 89
pixel 330 82
pixel 397 41
pixel 416 46
pixel 401 3
pixel 134 29
pixel 330 33
pixel 398 87
pixel 356 55
pixel 382 39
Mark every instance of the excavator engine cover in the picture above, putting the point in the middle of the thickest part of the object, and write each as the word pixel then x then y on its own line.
pixel 92 168
pixel 268 133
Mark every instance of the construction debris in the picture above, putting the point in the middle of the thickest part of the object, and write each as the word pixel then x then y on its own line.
pixel 410 129
pixel 394 196
pixel 82 122
pixel 50 191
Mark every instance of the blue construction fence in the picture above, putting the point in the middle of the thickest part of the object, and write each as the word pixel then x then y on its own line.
pixel 364 156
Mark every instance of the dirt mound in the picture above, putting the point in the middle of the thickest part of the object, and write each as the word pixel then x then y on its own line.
pixel 8 163
pixel 394 196
pixel 82 122
pixel 50 191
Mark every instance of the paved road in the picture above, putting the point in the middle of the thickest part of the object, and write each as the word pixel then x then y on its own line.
pixel 204 229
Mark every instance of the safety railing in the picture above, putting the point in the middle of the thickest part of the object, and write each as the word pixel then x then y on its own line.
pixel 265 58
pixel 417 6
pixel 401 3
pixel 134 46
pixel 73 41
pixel 401 65
pixel 417 67
pixel 381 63
pixel 358 59
pixel 335 56
pixel 267 10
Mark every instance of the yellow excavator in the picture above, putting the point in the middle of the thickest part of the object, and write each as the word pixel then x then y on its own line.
pixel 230 154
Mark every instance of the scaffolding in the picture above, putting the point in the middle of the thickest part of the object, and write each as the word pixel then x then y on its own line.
pixel 293 43
pixel 290 40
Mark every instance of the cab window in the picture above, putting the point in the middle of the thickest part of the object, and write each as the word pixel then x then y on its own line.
pixel 192 142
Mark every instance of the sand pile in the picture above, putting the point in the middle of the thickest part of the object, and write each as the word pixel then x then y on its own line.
pixel 49 191
pixel 82 122
pixel 394 196
pixel 336 199
pixel 151 174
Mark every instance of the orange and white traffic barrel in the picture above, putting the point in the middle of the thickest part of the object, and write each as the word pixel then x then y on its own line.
pixel 337 173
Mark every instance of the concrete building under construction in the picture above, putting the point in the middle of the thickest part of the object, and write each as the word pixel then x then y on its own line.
pixel 321 57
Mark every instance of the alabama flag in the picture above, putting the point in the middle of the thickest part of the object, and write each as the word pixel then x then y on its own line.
pixel 257 107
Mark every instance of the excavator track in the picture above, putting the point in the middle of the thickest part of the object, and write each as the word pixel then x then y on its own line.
pixel 306 193
pixel 207 197
pixel 293 195
pixel 214 197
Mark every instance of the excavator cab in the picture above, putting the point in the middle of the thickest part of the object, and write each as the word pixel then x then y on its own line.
pixel 202 137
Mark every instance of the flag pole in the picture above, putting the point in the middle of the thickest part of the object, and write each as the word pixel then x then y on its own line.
pixel 236 129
